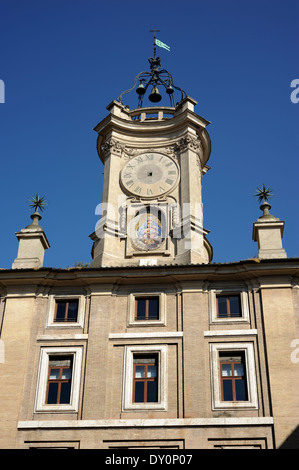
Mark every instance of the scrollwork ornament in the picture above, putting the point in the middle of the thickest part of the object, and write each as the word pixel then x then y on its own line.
pixel 189 142
pixel 169 150
pixel 112 145
pixel 129 152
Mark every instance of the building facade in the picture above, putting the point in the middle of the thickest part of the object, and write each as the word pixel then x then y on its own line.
pixel 153 345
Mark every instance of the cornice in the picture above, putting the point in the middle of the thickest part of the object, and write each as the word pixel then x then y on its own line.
pixel 261 271
pixel 151 127
pixel 162 132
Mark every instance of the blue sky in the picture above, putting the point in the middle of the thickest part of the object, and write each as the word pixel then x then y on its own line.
pixel 64 61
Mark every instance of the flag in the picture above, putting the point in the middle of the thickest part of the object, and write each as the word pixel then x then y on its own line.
pixel 161 44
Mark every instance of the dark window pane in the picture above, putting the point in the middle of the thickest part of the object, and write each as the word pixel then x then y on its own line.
pixel 227 390
pixel 152 391
pixel 238 370
pixel 222 308
pixel 141 309
pixel 60 313
pixel 152 371
pixel 54 374
pixel 153 309
pixel 72 311
pixel 235 307
pixel 241 392
pixel 65 392
pixel 139 392
pixel 66 374
pixel 52 393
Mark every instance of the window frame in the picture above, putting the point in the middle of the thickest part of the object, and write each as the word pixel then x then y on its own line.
pixel 52 306
pixel 42 380
pixel 228 308
pixel 131 312
pixel 59 380
pixel 67 302
pixel 147 299
pixel 146 378
pixel 213 307
pixel 250 371
pixel 234 378
pixel 160 351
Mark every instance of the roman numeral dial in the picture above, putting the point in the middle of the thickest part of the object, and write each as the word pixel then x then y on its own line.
pixel 150 175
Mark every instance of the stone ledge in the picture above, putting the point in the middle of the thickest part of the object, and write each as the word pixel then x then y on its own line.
pixel 230 332
pixel 129 423
pixel 165 334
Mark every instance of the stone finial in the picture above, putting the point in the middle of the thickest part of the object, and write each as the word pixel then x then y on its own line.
pixel 268 229
pixel 265 207
pixel 32 240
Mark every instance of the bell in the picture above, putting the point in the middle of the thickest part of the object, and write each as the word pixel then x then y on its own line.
pixel 169 90
pixel 155 96
pixel 140 90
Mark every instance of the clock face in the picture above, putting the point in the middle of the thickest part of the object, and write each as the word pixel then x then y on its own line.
pixel 150 175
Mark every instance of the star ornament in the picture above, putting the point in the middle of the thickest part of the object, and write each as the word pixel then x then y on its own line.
pixel 37 202
pixel 264 194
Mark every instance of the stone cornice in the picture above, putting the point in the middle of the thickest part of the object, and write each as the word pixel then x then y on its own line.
pixel 259 271
pixel 116 133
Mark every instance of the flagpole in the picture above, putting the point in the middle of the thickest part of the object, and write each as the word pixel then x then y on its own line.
pixel 154 31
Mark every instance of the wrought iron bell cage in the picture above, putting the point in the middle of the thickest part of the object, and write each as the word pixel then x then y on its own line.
pixel 153 79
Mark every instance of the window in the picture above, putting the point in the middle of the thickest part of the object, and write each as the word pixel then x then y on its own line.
pixel 147 308
pixel 145 379
pixel 233 377
pixel 228 306
pixel 66 310
pixel 58 383
pixel 59 380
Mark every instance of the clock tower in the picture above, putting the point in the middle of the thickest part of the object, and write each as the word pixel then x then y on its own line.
pixel 154 160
